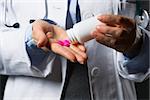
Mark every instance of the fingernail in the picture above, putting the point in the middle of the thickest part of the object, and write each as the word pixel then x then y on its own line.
pixel 98 27
pixel 73 61
pixel 82 62
pixel 100 17
pixel 38 45
pixel 93 34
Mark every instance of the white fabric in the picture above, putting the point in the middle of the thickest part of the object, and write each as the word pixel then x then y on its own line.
pixel 31 88
pixel 105 83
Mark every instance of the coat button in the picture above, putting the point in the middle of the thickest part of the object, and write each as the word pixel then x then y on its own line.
pixel 95 71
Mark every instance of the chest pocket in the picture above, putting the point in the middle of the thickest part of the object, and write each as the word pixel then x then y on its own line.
pixel 57 10
pixel 26 9
pixel 95 7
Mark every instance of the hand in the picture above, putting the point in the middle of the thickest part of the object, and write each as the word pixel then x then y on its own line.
pixel 73 53
pixel 118 32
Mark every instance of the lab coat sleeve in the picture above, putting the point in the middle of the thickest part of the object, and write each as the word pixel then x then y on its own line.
pixel 137 68
pixel 20 56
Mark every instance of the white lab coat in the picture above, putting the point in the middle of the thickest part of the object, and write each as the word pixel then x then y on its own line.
pixel 106 82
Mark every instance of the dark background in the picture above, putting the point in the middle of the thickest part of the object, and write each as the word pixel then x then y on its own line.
pixel 143 88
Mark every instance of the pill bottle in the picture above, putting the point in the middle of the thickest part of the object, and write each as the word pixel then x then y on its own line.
pixel 80 32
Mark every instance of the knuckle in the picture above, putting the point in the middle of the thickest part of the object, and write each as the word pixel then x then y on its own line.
pixel 124 33
pixel 121 33
pixel 120 19
pixel 85 56
pixel 71 58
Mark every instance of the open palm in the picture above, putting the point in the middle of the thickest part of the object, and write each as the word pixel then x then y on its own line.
pixel 73 52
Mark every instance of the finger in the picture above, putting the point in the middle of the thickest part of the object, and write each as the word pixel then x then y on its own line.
pixel 105 40
pixel 112 19
pixel 102 38
pixel 40 37
pixel 81 47
pixel 110 31
pixel 97 34
pixel 76 49
pixel 45 26
pixel 42 41
pixel 79 58
pixel 49 34
pixel 58 49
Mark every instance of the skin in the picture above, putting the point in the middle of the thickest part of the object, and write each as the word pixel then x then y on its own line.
pixel 118 32
pixel 47 35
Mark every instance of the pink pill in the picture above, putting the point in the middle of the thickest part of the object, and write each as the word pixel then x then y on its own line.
pixel 66 43
pixel 61 43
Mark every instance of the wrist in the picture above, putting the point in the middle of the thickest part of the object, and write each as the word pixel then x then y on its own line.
pixel 59 33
